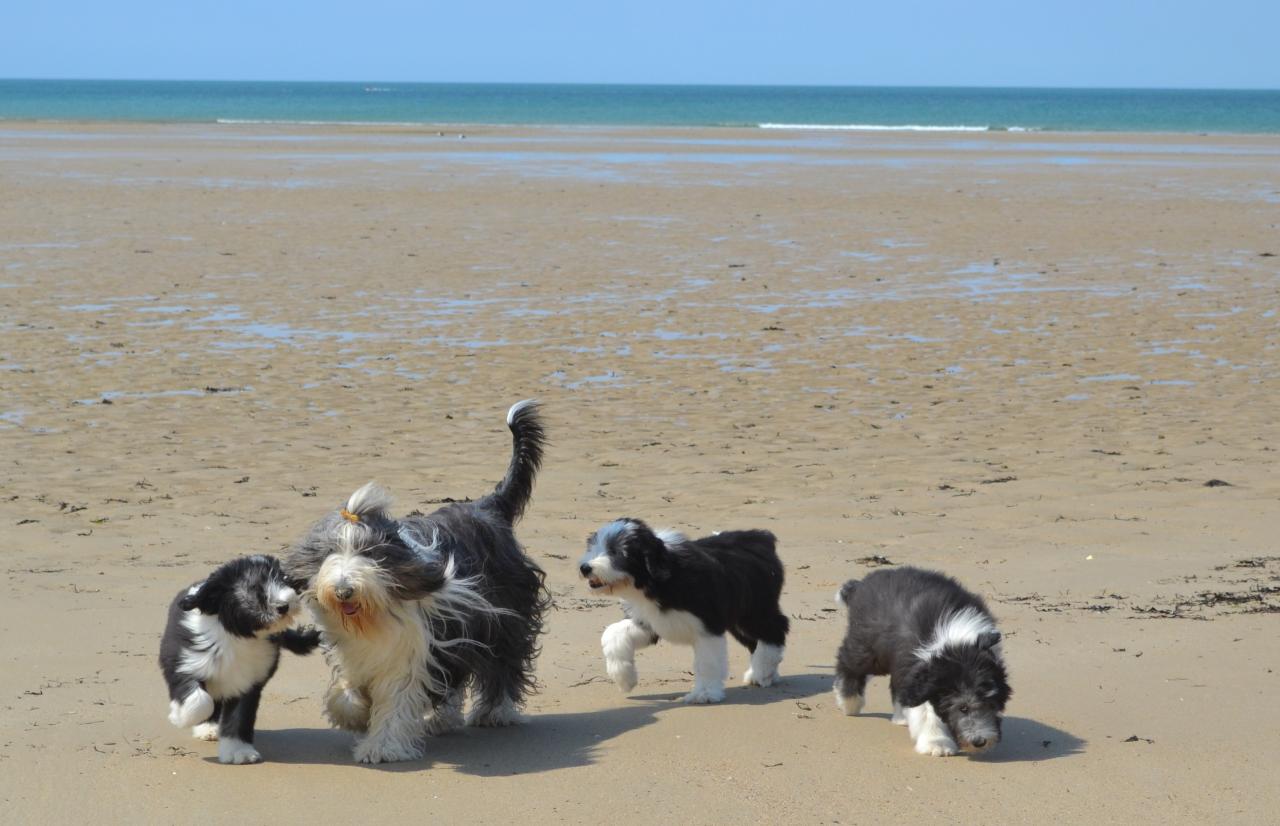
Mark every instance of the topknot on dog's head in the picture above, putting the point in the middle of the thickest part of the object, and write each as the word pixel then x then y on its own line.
pixel 370 500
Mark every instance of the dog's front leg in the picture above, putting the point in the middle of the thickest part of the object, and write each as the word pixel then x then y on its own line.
pixel 620 642
pixel 710 669
pixel 929 731
pixel 396 723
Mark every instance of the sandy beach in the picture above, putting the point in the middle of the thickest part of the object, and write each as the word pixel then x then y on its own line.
pixel 1042 363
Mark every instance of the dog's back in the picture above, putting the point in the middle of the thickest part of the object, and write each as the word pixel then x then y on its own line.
pixel 746 562
pixel 902 606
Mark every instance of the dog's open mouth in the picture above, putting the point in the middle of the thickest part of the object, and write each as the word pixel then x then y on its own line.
pixel 595 583
pixel 349 608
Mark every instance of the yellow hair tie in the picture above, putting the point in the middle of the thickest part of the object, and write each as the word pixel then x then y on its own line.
pixel 349 516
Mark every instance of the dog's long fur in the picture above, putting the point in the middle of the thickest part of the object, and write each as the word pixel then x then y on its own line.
pixel 692 592
pixel 221 644
pixel 939 645
pixel 420 608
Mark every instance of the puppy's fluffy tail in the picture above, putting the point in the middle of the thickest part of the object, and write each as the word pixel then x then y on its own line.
pixel 846 591
pixel 528 439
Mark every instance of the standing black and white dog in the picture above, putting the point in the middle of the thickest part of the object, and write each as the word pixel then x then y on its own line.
pixel 689 591
pixel 221 645
pixel 939 645
pixel 420 608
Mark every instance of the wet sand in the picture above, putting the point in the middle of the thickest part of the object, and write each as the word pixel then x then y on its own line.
pixel 1029 360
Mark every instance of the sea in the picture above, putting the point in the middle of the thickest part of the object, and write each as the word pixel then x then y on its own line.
pixel 868 108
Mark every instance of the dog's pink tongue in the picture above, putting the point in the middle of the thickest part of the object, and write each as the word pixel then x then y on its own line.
pixel 349 608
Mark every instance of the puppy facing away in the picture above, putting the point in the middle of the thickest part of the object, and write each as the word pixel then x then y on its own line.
pixel 691 592
pixel 222 644
pixel 419 609
pixel 939 645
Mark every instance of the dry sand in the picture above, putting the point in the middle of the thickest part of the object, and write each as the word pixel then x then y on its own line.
pixel 1017 358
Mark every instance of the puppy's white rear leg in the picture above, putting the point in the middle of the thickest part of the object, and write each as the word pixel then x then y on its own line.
pixel 764 665
pixel 710 669
pixel 620 642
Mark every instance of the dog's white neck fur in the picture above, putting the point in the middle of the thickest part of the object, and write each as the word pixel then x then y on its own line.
pixel 957 628
pixel 227 664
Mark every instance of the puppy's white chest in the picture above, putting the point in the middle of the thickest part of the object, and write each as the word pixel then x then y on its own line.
pixel 673 626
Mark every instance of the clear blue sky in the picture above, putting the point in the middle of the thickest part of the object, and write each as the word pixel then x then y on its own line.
pixel 1177 43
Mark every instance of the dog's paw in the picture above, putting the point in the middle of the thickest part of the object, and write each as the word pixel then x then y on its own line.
pixel 503 714
pixel 764 680
pixel 899 717
pixel 936 747
pixel 205 731
pixel 623 673
pixel 445 720
pixel 237 752
pixel 851 705
pixel 703 696
pixel 194 709
pixel 376 751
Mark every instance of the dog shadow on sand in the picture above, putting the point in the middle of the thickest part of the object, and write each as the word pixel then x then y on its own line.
pixel 545 741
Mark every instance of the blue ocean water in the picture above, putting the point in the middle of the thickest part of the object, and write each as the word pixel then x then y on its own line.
pixel 961 109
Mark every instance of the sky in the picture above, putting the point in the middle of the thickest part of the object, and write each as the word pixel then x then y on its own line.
pixel 1110 43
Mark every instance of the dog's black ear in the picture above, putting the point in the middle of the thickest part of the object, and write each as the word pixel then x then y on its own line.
pixel 988 640
pixel 917 687
pixel 657 561
pixel 207 598
pixel 416 569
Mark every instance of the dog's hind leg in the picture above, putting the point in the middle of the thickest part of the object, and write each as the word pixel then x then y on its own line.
pixel 710 669
pixel 620 642
pixel 235 729
pixel 446 717
pixel 850 690
pixel 766 639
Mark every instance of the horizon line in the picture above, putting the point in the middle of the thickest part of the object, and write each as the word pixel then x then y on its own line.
pixel 669 84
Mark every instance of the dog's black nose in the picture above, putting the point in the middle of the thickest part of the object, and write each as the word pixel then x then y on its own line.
pixel 585 569
pixel 343 593
pixel 979 742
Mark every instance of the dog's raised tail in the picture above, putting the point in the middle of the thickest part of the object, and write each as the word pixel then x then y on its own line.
pixel 528 438
pixel 846 591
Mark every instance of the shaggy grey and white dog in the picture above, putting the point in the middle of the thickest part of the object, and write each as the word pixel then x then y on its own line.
pixel 421 608
pixel 939 645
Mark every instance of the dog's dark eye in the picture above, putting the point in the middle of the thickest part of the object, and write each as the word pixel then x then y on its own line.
pixel 964 709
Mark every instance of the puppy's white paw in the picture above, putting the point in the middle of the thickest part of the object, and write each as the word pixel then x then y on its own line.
pixel 370 750
pixel 205 731
pixel 936 746
pixel 703 696
pixel 764 680
pixel 623 673
pixel 237 752
pixel 851 705
pixel 195 708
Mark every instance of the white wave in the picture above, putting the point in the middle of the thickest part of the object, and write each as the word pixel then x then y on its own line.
pixel 874 127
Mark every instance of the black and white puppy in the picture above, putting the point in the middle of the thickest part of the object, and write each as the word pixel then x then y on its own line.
pixel 222 644
pixel 420 609
pixel 939 645
pixel 691 592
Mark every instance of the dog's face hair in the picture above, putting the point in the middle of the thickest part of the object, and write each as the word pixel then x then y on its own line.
pixel 967 685
pixel 355 567
pixel 624 554
pixel 250 596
